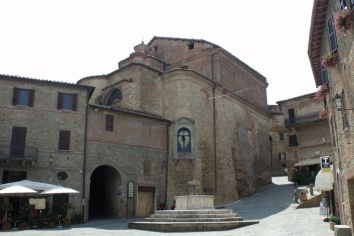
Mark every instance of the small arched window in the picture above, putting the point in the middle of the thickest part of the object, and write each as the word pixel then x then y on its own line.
pixel 115 95
pixel 184 140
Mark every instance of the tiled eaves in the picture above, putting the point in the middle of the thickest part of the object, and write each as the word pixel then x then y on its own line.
pixel 132 111
pixel 317 28
pixel 15 78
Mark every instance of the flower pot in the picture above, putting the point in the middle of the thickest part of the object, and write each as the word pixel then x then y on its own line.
pixel 23 226
pixel 329 60
pixel 66 224
pixel 343 19
pixel 331 225
pixel 51 225
pixel 6 226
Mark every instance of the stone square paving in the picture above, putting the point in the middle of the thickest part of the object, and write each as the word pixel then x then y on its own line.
pixel 272 205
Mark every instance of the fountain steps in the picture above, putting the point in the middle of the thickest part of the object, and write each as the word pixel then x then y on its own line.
pixel 191 220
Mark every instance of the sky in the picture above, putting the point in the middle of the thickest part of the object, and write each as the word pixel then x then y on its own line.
pixel 68 40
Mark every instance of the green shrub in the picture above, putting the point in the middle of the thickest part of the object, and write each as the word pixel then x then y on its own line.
pixel 335 219
pixel 303 178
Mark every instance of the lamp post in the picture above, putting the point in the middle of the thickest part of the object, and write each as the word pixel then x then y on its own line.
pixel 338 101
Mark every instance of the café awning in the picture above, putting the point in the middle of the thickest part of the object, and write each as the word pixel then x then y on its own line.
pixel 308 162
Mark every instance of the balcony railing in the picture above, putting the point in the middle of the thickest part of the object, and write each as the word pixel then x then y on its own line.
pixel 18 153
pixel 310 117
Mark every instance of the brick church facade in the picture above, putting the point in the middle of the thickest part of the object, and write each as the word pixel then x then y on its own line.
pixel 176 112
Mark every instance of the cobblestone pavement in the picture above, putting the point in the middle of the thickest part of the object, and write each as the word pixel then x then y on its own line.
pixel 272 205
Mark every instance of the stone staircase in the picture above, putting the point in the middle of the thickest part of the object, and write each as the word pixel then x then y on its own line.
pixel 191 220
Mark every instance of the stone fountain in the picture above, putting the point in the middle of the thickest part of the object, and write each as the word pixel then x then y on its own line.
pixel 193 212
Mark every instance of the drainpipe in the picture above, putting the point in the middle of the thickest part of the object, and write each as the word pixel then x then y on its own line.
pixel 214 125
pixel 84 164
pixel 167 161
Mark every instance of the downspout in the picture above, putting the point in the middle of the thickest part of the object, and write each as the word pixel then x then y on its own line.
pixel 84 163
pixel 214 125
pixel 167 161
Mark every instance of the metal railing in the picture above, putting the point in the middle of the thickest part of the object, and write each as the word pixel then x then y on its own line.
pixel 310 117
pixel 19 153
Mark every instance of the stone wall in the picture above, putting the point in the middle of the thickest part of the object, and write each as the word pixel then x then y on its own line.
pixel 43 122
pixel 135 140
pixel 341 80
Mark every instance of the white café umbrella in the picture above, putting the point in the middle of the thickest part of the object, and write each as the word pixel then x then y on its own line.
pixel 29 184
pixel 324 180
pixel 17 191
pixel 59 190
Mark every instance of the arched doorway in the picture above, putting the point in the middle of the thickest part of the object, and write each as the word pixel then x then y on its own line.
pixel 104 192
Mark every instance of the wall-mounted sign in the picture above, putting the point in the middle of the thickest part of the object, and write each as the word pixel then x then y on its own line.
pixel 130 189
pixel 39 203
pixel 325 162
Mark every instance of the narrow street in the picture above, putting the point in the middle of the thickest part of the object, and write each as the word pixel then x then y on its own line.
pixel 272 205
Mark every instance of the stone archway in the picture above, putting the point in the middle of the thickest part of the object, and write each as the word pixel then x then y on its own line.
pixel 104 193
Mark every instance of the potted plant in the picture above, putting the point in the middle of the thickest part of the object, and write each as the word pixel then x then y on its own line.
pixel 5 208
pixel 323 114
pixel 333 220
pixel 343 19
pixel 329 60
pixel 23 225
pixel 322 91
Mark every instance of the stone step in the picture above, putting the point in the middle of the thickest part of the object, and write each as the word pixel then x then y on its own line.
pixel 193 219
pixel 194 215
pixel 188 226
pixel 205 211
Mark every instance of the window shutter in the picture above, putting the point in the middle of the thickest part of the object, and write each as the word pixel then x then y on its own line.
pixel 324 73
pixel 342 4
pixel 31 98
pixel 64 140
pixel 60 100
pixel 15 97
pixel 74 102
pixel 332 35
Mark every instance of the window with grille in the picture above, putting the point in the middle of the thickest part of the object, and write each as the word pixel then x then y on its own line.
pixel 293 141
pixel 109 122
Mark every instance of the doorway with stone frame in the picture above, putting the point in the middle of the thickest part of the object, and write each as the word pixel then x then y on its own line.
pixel 146 200
pixel 105 194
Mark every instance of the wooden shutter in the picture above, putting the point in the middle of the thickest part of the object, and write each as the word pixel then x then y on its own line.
pixel 342 4
pixel 109 122
pixel 31 98
pixel 332 35
pixel 60 101
pixel 15 97
pixel 64 140
pixel 18 141
pixel 74 102
pixel 324 73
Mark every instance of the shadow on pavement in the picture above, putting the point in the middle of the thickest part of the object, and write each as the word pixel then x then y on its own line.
pixel 269 200
pixel 108 224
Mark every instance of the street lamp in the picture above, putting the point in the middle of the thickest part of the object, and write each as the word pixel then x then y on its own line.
pixel 338 101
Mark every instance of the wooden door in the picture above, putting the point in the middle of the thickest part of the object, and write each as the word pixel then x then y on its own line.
pixel 18 141
pixel 58 204
pixel 145 203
